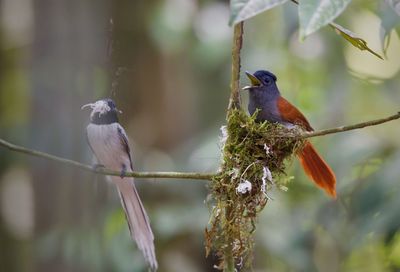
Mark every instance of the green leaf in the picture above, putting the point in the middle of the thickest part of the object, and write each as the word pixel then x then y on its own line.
pixel 244 9
pixel 314 14
pixel 395 5
pixel 389 20
pixel 353 39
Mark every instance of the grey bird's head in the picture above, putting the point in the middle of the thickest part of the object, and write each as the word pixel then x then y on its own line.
pixel 103 112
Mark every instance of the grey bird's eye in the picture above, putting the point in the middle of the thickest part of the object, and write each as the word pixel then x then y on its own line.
pixel 111 104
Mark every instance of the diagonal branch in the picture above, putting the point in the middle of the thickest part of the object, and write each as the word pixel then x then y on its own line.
pixel 351 127
pixel 104 171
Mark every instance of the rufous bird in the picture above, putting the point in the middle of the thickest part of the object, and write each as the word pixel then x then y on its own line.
pixel 264 95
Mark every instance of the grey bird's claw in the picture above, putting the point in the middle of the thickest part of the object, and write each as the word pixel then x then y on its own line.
pixel 123 172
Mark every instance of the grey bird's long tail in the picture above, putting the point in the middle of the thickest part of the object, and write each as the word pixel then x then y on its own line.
pixel 138 221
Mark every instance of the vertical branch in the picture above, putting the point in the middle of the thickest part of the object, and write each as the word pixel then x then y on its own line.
pixel 229 260
pixel 234 103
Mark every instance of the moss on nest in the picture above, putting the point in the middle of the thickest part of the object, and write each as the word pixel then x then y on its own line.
pixel 256 154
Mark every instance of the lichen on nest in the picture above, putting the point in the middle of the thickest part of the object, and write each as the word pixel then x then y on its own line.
pixel 254 159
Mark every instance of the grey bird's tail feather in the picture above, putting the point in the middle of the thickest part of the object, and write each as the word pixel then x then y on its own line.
pixel 138 221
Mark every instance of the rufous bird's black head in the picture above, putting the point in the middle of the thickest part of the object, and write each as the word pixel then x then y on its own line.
pixel 263 85
pixel 261 78
pixel 104 112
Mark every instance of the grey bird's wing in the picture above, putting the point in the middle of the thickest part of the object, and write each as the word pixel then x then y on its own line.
pixel 125 143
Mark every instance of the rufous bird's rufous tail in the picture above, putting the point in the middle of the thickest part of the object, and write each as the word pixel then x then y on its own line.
pixel 317 169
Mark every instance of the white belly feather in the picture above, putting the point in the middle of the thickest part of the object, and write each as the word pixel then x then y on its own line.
pixel 108 147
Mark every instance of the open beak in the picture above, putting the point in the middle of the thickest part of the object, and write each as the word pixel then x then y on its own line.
pixel 254 81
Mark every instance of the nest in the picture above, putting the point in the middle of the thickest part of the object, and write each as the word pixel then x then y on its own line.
pixel 254 159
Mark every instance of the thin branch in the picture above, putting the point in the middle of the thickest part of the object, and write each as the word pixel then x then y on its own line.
pixel 234 101
pixel 104 171
pixel 351 127
pixel 180 175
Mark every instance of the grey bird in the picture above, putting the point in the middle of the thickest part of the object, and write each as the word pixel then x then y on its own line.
pixel 109 143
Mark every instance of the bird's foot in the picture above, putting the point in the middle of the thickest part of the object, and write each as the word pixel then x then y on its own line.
pixel 123 171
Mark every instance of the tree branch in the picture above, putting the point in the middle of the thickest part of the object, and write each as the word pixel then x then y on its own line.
pixel 104 171
pixel 234 101
pixel 351 127
pixel 180 175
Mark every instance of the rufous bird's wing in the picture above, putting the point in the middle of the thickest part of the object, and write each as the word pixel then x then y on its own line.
pixel 313 164
pixel 291 114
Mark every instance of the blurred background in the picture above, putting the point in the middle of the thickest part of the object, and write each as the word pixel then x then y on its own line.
pixel 167 66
